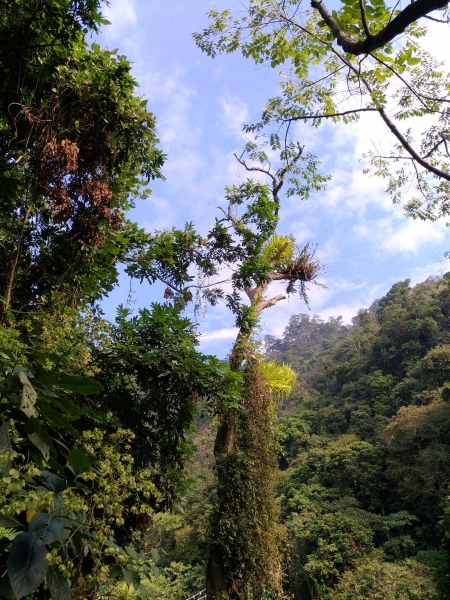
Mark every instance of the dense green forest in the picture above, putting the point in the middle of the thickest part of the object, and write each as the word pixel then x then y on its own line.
pixel 363 454
pixel 133 466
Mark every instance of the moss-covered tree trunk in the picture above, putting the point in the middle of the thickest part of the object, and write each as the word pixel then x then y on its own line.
pixel 244 557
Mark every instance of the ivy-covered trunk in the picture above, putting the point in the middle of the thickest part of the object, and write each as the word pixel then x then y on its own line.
pixel 244 556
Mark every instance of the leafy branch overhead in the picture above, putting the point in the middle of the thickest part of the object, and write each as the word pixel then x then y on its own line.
pixel 242 249
pixel 365 57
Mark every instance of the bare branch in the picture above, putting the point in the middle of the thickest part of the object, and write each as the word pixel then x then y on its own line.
pixel 283 276
pixel 168 284
pixel 207 285
pixel 339 114
pixel 413 12
pixel 446 21
pixel 260 169
pixel 435 147
pixel 267 303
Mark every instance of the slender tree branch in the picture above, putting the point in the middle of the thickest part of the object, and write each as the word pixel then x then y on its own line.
pixel 397 133
pixel 339 114
pixel 267 303
pixel 206 285
pixel 446 21
pixel 283 276
pixel 168 284
pixel 12 275
pixel 407 146
pixel 413 12
pixel 364 18
pixel 435 147
pixel 260 169
pixel 411 89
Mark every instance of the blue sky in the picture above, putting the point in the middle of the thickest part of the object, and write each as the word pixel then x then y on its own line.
pixel 200 106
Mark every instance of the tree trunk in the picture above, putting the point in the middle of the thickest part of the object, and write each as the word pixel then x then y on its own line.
pixel 217 583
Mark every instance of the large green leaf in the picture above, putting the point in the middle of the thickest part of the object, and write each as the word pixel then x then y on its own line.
pixel 26 564
pixel 58 586
pixel 71 383
pixel 46 528
pixel 29 395
pixel 39 443
pixel 79 461
pixel 57 420
pixel 6 591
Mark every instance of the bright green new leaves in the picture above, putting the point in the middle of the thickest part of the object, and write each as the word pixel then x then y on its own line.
pixel 280 378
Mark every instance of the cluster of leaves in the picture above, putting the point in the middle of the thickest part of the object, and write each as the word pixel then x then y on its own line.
pixel 95 457
pixel 363 445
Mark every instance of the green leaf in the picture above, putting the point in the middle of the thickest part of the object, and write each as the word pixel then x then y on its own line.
pixel 155 571
pixel 29 395
pixel 71 383
pixel 79 461
pixel 6 591
pixel 5 447
pixel 6 521
pixel 132 552
pixel 46 528
pixel 26 564
pixel 57 420
pixel 128 576
pixel 40 444
pixel 58 586
pixel 155 554
pixel 53 482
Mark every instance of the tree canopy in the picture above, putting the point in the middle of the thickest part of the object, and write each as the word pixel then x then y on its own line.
pixel 364 57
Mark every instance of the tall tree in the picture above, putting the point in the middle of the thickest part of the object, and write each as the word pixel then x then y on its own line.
pixel 363 57
pixel 244 250
pixel 76 146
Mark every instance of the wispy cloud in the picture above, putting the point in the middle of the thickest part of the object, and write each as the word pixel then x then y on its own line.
pixel 226 333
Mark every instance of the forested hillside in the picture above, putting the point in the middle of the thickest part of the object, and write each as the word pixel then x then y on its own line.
pixel 363 452
pixel 364 448
pixel 133 466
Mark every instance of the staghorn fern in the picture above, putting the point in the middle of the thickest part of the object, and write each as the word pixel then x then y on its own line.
pixel 280 378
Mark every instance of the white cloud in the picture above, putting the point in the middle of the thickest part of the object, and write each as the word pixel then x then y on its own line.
pixel 121 14
pixel 437 40
pixel 395 233
pixel 160 214
pixel 234 115
pixel 227 333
